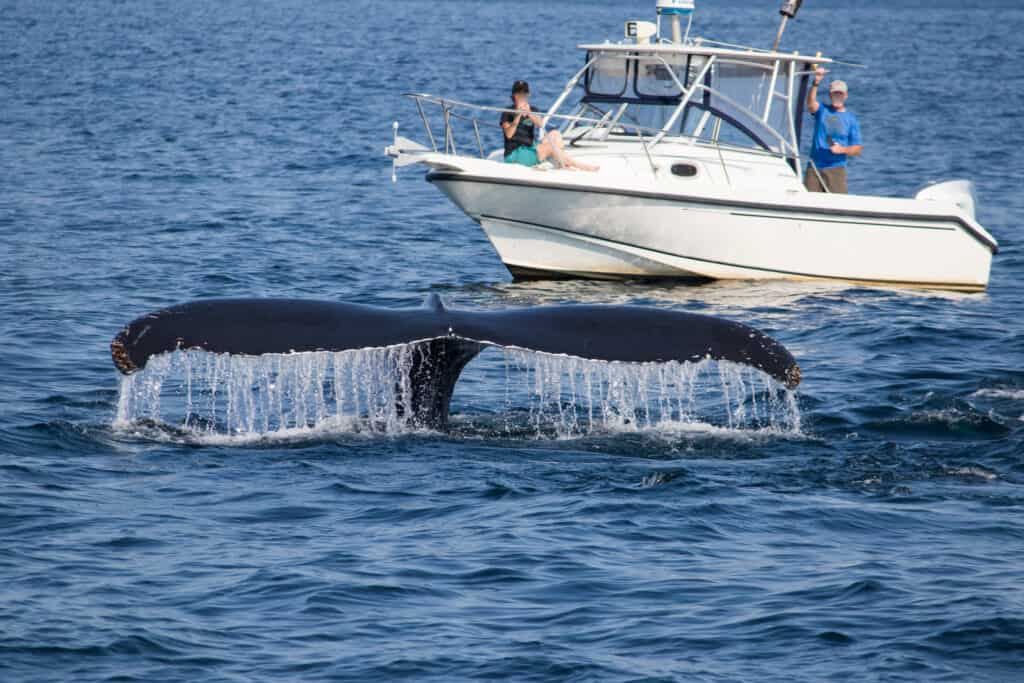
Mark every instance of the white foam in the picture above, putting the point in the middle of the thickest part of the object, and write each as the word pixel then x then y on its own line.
pixel 1013 394
pixel 220 398
pixel 973 471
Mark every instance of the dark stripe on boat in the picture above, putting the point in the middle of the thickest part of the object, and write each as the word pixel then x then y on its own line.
pixel 964 286
pixel 448 176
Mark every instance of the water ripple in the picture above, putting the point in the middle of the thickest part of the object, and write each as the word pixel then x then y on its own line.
pixel 156 153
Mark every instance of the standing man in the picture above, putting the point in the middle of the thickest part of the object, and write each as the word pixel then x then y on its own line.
pixel 836 138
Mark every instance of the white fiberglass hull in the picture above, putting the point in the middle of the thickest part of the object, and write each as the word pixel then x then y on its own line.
pixel 566 224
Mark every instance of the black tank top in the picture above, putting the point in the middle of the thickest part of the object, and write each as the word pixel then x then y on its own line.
pixel 524 134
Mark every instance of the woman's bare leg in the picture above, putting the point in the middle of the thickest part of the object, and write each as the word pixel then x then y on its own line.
pixel 553 147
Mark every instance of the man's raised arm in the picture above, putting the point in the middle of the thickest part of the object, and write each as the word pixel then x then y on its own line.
pixel 812 94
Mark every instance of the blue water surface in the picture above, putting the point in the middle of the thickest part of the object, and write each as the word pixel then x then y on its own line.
pixel 157 152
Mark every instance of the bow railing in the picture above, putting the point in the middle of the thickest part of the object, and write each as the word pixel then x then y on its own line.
pixel 457 117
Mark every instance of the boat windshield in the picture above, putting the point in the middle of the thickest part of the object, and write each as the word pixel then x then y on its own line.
pixel 750 102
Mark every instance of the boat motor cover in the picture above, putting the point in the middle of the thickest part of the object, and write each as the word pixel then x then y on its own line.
pixel 958 192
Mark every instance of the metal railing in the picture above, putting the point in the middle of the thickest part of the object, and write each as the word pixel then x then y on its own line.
pixel 608 123
pixel 449 112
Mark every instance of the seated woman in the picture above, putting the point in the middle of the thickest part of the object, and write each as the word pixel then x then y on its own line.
pixel 520 131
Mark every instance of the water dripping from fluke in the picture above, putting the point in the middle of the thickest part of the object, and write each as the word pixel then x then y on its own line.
pixel 229 398
pixel 245 369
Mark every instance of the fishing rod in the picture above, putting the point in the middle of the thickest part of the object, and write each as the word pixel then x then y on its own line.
pixel 788 11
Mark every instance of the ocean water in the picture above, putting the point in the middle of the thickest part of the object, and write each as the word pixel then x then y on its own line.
pixel 868 527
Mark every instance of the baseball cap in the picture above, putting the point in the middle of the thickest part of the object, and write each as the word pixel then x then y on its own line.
pixel 838 86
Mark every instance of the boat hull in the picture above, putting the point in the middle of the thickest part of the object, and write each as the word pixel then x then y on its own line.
pixel 577 231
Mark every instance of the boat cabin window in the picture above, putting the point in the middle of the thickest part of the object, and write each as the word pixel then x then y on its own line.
pixel 742 90
pixel 739 83
pixel 654 79
pixel 607 77
pixel 734 93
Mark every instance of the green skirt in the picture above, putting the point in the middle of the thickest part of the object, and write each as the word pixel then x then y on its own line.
pixel 527 156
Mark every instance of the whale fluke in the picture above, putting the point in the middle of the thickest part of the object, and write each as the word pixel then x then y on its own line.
pixel 446 340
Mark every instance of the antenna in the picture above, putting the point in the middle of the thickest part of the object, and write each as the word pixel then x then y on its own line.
pixel 788 11
pixel 675 10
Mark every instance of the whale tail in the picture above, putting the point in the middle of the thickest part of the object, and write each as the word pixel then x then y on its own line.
pixel 445 340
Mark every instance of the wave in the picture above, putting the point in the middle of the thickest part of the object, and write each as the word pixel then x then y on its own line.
pixel 1012 394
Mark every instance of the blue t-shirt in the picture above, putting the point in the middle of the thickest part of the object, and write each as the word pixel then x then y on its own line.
pixel 832 126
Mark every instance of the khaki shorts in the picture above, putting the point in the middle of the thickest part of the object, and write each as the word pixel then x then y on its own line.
pixel 835 179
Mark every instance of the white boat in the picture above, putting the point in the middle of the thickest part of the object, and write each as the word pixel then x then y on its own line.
pixel 701 176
